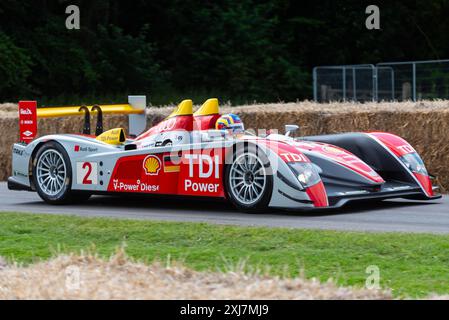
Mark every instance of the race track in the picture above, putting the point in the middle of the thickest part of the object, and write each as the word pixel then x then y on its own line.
pixel 387 216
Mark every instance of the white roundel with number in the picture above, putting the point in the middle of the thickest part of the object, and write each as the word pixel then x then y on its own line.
pixel 86 173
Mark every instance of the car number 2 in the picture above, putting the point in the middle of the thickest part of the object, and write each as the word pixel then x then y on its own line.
pixel 86 173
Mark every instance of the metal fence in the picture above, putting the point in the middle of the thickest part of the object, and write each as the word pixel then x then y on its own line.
pixel 345 83
pixel 393 81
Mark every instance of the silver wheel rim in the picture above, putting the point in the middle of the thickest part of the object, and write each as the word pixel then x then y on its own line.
pixel 51 172
pixel 247 178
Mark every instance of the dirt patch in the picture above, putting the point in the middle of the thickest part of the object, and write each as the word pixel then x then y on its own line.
pixel 88 277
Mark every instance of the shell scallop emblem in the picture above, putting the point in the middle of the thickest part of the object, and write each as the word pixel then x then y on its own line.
pixel 152 165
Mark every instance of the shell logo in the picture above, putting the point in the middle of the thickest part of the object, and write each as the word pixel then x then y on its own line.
pixel 152 165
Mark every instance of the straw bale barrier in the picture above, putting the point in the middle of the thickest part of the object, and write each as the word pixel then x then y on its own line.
pixel 90 277
pixel 424 124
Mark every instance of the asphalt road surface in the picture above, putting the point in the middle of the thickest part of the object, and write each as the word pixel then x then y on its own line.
pixel 386 216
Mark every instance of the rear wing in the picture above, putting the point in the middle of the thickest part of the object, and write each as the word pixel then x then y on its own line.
pixel 29 113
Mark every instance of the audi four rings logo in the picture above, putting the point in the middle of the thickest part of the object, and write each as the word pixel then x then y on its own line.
pixel 406 149
pixel 169 124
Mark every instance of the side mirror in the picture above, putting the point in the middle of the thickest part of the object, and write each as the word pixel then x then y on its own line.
pixel 290 129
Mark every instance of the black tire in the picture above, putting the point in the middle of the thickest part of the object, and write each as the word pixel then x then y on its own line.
pixel 65 195
pixel 261 204
pixel 79 196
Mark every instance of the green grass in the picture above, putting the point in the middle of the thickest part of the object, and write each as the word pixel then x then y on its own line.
pixel 413 265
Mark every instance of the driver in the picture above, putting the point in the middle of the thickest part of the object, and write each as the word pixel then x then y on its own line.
pixel 231 123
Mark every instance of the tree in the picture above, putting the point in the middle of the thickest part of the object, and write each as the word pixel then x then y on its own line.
pixel 14 68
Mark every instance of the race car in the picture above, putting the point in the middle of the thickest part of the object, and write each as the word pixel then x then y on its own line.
pixel 209 155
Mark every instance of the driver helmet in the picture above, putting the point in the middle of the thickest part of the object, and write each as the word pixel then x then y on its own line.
pixel 230 122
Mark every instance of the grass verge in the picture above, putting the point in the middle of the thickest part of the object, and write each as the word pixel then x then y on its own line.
pixel 412 265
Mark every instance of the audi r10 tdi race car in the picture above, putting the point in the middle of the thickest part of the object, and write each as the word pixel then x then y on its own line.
pixel 205 154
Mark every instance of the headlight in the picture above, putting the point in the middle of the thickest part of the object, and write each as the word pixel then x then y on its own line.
pixel 414 163
pixel 306 173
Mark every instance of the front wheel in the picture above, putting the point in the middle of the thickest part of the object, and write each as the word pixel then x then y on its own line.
pixel 52 175
pixel 248 180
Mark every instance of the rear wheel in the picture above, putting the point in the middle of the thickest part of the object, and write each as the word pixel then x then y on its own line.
pixel 248 180
pixel 52 175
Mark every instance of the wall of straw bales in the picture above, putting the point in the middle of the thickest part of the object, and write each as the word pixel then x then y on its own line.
pixel 425 125
pixel 103 280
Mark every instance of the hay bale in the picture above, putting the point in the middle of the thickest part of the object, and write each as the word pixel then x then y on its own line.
pixel 89 277
pixel 424 124
pixel 3 263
